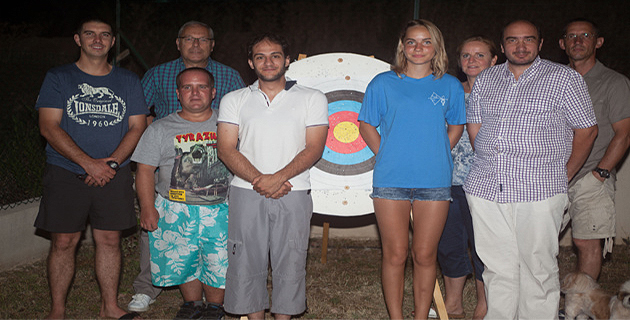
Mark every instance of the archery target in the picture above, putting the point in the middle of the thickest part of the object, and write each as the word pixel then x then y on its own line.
pixel 345 153
pixel 341 180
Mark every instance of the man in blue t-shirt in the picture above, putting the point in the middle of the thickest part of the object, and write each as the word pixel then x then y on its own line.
pixel 92 115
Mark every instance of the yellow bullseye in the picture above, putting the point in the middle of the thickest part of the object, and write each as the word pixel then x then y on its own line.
pixel 346 132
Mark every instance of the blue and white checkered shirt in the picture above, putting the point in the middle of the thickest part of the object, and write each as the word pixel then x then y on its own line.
pixel 526 133
pixel 159 85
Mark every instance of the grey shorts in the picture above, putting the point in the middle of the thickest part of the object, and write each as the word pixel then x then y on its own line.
pixel 263 230
pixel 592 208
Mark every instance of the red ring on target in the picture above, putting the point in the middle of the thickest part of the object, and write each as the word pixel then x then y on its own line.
pixel 343 133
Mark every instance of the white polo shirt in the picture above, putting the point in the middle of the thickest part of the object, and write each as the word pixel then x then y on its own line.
pixel 272 133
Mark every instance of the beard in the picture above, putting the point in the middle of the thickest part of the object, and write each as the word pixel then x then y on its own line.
pixel 271 78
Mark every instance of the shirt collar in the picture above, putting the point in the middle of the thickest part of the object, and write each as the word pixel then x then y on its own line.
pixel 287 86
pixel 595 70
pixel 531 69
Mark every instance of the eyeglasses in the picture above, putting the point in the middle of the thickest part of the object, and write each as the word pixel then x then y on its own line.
pixel 582 36
pixel 191 39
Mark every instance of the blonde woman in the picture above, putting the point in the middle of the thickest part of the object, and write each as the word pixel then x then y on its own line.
pixel 402 121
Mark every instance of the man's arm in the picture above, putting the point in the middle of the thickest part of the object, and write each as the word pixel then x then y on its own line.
pixel 473 129
pixel 145 188
pixel 227 140
pixel 582 143
pixel 617 147
pixel 98 169
pixel 454 133
pixel 137 124
pixel 271 185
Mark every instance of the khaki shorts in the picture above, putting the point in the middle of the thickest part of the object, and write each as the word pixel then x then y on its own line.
pixel 592 208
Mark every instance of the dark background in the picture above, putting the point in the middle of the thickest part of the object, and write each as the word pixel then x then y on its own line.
pixel 37 35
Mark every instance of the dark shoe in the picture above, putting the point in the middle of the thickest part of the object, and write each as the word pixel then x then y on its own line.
pixel 188 310
pixel 213 311
pixel 129 316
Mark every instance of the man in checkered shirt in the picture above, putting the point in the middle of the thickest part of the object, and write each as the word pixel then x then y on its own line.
pixel 532 125
pixel 195 42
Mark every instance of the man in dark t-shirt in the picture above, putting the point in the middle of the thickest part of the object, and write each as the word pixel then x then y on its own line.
pixel 92 115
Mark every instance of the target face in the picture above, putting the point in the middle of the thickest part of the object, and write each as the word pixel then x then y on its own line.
pixel 341 180
pixel 345 153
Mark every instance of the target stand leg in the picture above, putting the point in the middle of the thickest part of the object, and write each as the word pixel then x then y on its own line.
pixel 439 302
pixel 325 242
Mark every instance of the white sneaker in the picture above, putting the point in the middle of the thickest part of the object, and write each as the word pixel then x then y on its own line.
pixel 140 302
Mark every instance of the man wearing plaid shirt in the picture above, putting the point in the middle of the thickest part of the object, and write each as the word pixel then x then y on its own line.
pixel 532 125
pixel 195 41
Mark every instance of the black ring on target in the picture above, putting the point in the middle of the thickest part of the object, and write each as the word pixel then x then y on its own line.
pixel 362 166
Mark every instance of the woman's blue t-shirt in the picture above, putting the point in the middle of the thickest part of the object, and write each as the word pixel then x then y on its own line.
pixel 415 150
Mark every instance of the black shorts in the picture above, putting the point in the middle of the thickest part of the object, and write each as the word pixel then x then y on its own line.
pixel 68 203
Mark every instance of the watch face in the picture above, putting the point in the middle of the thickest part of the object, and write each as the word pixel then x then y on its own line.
pixel 603 172
pixel 113 164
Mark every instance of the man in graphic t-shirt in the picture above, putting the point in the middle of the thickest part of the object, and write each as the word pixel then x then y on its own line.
pixel 92 114
pixel 185 210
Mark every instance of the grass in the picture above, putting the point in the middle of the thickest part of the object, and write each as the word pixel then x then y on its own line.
pixel 347 287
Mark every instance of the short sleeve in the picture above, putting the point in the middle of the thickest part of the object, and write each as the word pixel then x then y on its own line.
pixel 373 101
pixel 148 148
pixel 473 109
pixel 318 110
pixel 229 107
pixel 456 113
pixel 619 101
pixel 50 93
pixel 577 103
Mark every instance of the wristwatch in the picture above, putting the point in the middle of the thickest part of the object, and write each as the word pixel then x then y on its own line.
pixel 602 172
pixel 113 164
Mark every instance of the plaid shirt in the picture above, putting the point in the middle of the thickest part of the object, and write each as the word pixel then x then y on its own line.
pixel 526 133
pixel 159 85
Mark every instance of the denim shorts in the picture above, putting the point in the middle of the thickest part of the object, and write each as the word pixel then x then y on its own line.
pixel 412 194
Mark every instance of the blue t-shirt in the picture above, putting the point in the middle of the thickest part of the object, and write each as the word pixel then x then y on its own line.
pixel 414 151
pixel 96 109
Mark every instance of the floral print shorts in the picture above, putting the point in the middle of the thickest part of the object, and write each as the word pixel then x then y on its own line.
pixel 190 243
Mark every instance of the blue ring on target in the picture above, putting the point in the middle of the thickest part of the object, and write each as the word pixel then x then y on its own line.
pixel 344 105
